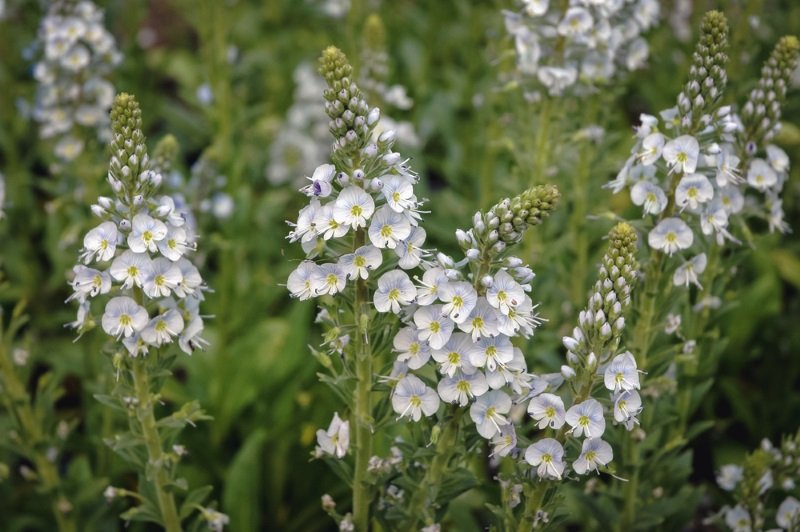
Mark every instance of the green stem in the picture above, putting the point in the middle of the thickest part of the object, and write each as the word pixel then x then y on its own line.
pixel 533 503
pixel 541 155
pixel 155 449
pixel 362 415
pixel 19 406
pixel 445 447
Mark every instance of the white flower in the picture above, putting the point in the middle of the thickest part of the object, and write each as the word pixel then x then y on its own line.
pixel 556 79
pixel 621 374
pixel 505 293
pixel 353 207
pixel 162 276
pixel 361 262
pixel 652 146
pixel 191 339
pixel 716 221
pixel 482 321
pixel 394 289
pixel 399 194
pixel 729 476
pixel 130 268
pixel 788 515
pixel 576 21
pixel 454 355
pixel 688 271
pixel 326 225
pixel 462 387
pixel 519 319
pixel 123 317
pixel 535 8
pixel 328 279
pixel 505 441
pixel 738 519
pixel 548 410
pixel 627 405
pixel 681 154
pixel 547 455
pixel 432 279
pixel 100 241
pixel 304 230
pixel 410 349
pixel 670 235
pixel 336 440
pixel 90 281
pixel 692 190
pixel 411 397
pixel 650 196
pixel 190 279
pixel 161 329
pixel 434 327
pixel 727 169
pixel 777 158
pixel 593 453
pixel 388 228
pixel 459 298
pixel 731 199
pixel 409 250
pixel 761 175
pixel 320 182
pixel 145 234
pixel 491 352
pixel 174 245
pixel 586 418
pixel 487 413
pixel 166 209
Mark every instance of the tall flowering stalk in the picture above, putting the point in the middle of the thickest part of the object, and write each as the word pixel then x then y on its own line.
pixel 693 170
pixel 360 232
pixel 136 261
pixel 74 94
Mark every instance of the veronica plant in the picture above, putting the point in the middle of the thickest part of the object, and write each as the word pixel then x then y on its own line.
pixel 764 488
pixel 74 94
pixel 136 262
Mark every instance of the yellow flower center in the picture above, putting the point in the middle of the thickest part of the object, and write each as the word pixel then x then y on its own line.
pixel 125 320
pixel 394 293
pixel 550 412
pixel 386 231
pixel 360 261
pixel 147 236
pixel 435 327
pixel 453 357
pixel 133 271
pixel 356 210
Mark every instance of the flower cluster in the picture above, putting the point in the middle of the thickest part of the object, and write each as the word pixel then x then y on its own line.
pixel 368 201
pixel 591 351
pixel 580 43
pixel 766 166
pixel 73 92
pixel 754 484
pixel 692 168
pixel 465 318
pixel 138 253
pixel 681 172
pixel 302 142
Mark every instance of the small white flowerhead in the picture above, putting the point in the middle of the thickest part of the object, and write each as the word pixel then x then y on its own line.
pixel 693 190
pixel 670 235
pixel 131 268
pixel 487 412
pixel 505 293
pixel 395 289
pixel 649 196
pixel 433 325
pixel 595 452
pixel 459 299
pixel 627 405
pixel 729 476
pixel 100 243
pixel 412 398
pixel 504 441
pixel 454 355
pixel 681 154
pixel 123 317
pixel 462 387
pixel 411 350
pixel 547 455
pixel 388 228
pixel 587 419
pixel 145 234
pixel 548 410
pixel 328 279
pixel 161 329
pixel 788 515
pixel 491 352
pixel 361 262
pixel 336 440
pixel 738 519
pixel 353 207
pixel 687 272
pixel 761 175
pixel 621 374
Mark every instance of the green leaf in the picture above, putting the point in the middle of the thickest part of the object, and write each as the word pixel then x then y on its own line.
pixel 242 484
pixel 195 497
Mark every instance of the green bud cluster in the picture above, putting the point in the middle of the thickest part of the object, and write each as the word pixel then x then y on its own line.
pixel 164 155
pixel 129 170
pixel 707 76
pixel 601 324
pixel 351 119
pixel 761 114
pixel 517 214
